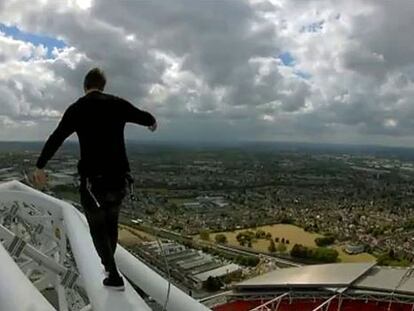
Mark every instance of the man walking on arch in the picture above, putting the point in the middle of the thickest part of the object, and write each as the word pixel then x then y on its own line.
pixel 98 119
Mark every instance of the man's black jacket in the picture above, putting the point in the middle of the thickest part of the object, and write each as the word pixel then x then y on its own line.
pixel 99 120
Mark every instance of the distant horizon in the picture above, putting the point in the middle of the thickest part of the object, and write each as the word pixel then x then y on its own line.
pixel 225 143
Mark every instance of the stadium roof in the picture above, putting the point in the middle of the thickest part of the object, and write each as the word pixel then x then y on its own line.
pixel 407 286
pixel 382 278
pixel 350 279
pixel 345 286
pixel 327 275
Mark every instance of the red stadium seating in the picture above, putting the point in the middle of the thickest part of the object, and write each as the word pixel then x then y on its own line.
pixel 310 304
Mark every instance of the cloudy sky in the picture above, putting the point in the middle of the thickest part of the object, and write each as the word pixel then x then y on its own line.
pixel 216 70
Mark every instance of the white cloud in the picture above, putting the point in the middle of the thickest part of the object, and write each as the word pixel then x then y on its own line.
pixel 15 50
pixel 208 67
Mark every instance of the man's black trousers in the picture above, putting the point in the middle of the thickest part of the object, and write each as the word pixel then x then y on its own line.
pixel 108 193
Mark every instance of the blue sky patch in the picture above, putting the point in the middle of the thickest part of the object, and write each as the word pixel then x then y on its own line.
pixel 35 39
pixel 287 59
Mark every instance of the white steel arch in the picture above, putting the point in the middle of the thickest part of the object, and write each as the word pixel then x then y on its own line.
pixel 18 196
pixel 50 216
pixel 17 292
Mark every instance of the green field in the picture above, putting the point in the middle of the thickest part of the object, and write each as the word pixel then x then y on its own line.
pixel 295 235
pixel 130 236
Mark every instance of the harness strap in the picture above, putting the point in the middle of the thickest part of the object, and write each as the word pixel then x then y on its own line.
pixel 89 188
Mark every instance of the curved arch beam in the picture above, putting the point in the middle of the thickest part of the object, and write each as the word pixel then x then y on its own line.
pixel 17 293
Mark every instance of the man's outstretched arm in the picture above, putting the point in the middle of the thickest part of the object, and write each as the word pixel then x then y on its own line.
pixel 64 130
pixel 134 115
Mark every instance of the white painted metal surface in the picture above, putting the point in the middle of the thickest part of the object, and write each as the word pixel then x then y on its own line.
pixel 270 305
pixel 87 260
pixel 91 270
pixel 17 293
pixel 89 266
pixel 152 283
pixel 325 303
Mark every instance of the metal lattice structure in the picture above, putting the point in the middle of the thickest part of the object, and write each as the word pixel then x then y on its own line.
pixel 46 248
